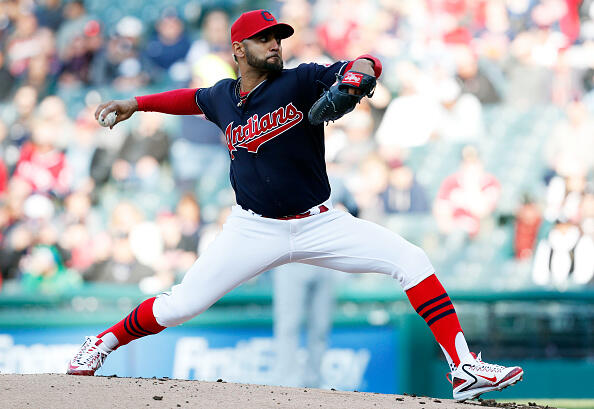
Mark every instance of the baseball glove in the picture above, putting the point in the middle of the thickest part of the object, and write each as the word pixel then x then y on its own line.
pixel 336 101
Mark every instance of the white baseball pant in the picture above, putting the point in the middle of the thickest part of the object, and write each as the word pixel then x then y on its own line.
pixel 250 244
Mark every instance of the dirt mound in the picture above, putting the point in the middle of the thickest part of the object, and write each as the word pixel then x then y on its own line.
pixel 65 391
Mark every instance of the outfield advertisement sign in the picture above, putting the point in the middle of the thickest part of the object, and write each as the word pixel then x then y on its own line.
pixel 358 358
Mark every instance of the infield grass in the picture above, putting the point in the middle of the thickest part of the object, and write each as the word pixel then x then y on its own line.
pixel 556 403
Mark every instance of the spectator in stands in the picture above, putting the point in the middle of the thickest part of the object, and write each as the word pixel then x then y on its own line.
pixel 16 241
pixel 23 44
pixel 368 184
pixel 460 116
pixel 75 19
pixel 18 191
pixel 120 62
pixel 527 225
pixel 199 157
pixel 50 14
pixel 42 164
pixel 210 231
pixel 304 297
pixel 403 193
pixel 4 225
pixel 187 212
pixel 76 245
pixel 564 196
pixel 567 154
pixel 149 247
pixel 214 39
pixel 570 146
pixel 340 28
pixel 78 209
pixel 19 117
pixel 108 144
pixel 29 224
pixel 555 255
pixel 307 49
pixel 53 110
pixel 175 259
pixel 120 265
pixel 78 58
pixel 6 78
pixel 411 118
pixel 41 76
pixel 3 178
pixel 78 224
pixel 170 43
pixel 528 79
pixel 43 270
pixel 471 78
pixel 298 14
pixel 358 140
pixel 466 196
pixel 144 149
pixel 80 151
pixel 519 16
pixel 584 251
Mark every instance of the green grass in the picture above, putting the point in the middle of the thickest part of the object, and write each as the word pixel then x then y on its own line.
pixel 556 403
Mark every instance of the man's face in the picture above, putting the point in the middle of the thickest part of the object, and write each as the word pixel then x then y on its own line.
pixel 264 51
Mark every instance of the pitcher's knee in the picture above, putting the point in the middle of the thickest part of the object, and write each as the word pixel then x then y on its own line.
pixel 419 257
pixel 170 309
pixel 415 266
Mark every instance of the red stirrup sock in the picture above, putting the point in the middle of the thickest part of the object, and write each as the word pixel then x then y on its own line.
pixel 139 323
pixel 432 303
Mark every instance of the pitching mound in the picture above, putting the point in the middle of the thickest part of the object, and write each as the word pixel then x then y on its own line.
pixel 65 391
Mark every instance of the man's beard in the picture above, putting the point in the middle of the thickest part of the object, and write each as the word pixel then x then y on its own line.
pixel 264 64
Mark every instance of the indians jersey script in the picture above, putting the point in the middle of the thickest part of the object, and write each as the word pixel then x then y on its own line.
pixel 277 156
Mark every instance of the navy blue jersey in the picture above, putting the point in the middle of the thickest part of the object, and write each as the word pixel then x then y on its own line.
pixel 277 157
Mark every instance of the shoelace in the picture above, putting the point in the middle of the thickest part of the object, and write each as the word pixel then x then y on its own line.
pixel 482 366
pixel 86 353
pixel 81 352
pixel 487 366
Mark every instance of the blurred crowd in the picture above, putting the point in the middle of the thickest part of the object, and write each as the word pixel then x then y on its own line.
pixel 137 204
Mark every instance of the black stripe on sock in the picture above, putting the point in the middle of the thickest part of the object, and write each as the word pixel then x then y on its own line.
pixel 138 327
pixel 426 304
pixel 133 327
pixel 130 330
pixel 440 316
pixel 436 308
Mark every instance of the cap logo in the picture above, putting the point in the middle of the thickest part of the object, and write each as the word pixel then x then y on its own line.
pixel 267 16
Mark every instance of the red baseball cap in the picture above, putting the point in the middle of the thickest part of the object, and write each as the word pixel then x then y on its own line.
pixel 252 22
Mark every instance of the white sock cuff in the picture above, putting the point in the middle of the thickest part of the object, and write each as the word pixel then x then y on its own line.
pixel 109 342
pixel 448 358
pixel 462 348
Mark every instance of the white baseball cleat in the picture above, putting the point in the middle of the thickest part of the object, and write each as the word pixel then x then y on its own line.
pixel 471 379
pixel 89 357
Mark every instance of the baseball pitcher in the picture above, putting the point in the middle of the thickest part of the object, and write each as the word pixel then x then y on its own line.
pixel 273 120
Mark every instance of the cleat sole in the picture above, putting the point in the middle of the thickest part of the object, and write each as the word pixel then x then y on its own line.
pixel 518 378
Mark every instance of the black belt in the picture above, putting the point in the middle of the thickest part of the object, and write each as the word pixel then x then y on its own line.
pixel 303 215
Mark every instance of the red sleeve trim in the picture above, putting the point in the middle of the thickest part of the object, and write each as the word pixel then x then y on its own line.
pixel 377 65
pixel 176 102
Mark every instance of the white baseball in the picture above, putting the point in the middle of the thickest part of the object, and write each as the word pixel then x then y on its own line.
pixel 107 120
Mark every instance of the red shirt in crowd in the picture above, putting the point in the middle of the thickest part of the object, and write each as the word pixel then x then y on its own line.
pixel 45 170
